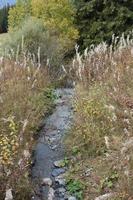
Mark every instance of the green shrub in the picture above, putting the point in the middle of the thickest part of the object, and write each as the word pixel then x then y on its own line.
pixel 75 188
pixel 51 27
pixel 31 37
pixel 96 121
pixel 18 13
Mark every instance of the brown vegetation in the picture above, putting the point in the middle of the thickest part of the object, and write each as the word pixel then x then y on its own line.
pixel 24 99
pixel 101 138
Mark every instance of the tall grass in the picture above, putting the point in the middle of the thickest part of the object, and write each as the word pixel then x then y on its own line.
pixel 24 86
pixel 101 138
pixel 97 62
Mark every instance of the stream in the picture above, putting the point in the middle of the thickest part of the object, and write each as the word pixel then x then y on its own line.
pixel 48 171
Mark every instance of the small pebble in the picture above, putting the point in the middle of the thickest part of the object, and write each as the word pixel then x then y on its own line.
pixel 51 194
pixel 47 181
pixel 62 190
pixel 72 198
pixel 54 147
pixel 61 182
pixel 62 176
pixel 59 163
pixel 57 172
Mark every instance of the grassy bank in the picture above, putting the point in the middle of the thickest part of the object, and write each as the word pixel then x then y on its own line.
pixel 24 100
pixel 101 140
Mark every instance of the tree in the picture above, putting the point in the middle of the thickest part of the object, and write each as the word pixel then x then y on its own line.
pixel 58 20
pixel 4 19
pixel 98 20
pixel 18 14
pixel 57 15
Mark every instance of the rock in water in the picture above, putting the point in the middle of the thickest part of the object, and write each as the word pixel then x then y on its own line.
pixel 9 195
pixel 47 181
pixel 51 194
pixel 60 181
pixel 72 198
pixel 57 172
pixel 59 163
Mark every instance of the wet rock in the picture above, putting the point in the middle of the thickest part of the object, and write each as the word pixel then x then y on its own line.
pixel 47 181
pixel 54 147
pixel 57 172
pixel 72 198
pixel 52 140
pixel 51 194
pixel 61 182
pixel 62 190
pixel 59 163
pixel 62 176
pixel 9 195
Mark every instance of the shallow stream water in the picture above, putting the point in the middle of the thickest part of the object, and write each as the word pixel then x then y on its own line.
pixel 47 172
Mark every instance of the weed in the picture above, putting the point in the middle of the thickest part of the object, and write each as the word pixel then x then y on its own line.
pixel 50 94
pixel 75 187
pixel 108 182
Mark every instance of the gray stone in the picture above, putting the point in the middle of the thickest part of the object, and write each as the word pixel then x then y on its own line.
pixel 51 194
pixel 72 198
pixel 62 190
pixel 54 147
pixel 46 181
pixel 57 172
pixel 62 176
pixel 50 139
pixel 61 182
pixel 59 163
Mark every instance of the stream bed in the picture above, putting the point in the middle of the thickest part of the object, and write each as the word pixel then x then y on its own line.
pixel 48 171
